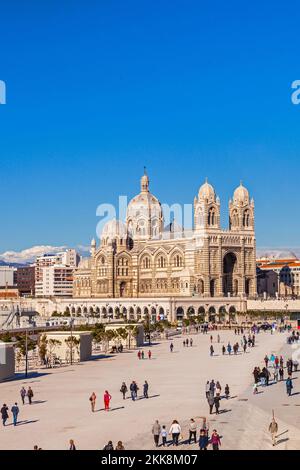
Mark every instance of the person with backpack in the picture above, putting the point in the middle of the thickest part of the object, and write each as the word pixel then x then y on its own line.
pixel 123 390
pixel 93 401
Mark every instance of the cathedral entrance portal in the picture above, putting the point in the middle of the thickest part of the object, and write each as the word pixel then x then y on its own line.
pixel 229 268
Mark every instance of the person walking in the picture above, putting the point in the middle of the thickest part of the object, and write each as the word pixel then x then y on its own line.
pixel 289 386
pixel 203 439
pixel 109 446
pixel 215 440
pixel 183 342
pixel 139 354
pixel 266 359
pixel 229 348
pixel 120 446
pixel 107 398
pixel 191 342
pixel 211 402
pixel 175 431
pixel 212 350
pixel 15 411
pixel 273 429
pixel 275 374
pixel 93 401
pixel 164 435
pixel 145 389
pixel 23 395
pixel 212 386
pixel 4 414
pixel 133 389
pixel 171 347
pixel 227 392
pixel 218 389
pixel 211 338
pixel 30 395
pixel 281 373
pixel 217 403
pixel 143 355
pixel 218 338
pixel 207 389
pixel 72 445
pixel 149 354
pixel 123 390
pixel 156 430
pixel 223 350
pixel 192 431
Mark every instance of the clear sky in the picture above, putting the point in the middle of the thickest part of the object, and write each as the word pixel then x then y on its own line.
pixel 98 89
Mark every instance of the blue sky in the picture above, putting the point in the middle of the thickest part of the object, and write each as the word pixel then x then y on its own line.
pixel 98 89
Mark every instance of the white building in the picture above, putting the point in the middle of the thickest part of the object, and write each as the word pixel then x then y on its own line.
pixel 7 276
pixel 54 274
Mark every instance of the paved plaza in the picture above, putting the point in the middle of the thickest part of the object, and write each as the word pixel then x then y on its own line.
pixel 61 407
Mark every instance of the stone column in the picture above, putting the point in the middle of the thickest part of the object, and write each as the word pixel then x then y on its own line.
pixel 206 270
pixel 242 268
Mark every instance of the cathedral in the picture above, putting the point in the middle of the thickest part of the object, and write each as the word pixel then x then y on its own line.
pixel 145 258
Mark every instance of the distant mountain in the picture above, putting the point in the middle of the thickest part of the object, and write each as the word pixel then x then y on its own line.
pixel 14 265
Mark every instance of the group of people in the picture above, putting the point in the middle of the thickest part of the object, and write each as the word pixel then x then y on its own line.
pixel 15 410
pixel 141 354
pixel 187 342
pixel 276 364
pixel 213 392
pixel 133 388
pixel 160 435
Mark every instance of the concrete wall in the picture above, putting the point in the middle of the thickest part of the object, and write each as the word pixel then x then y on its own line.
pixel 81 353
pixel 7 361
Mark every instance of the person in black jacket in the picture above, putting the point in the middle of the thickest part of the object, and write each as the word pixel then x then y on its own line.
pixel 109 446
pixel 4 413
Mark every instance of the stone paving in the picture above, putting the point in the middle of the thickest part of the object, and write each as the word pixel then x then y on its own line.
pixel 61 408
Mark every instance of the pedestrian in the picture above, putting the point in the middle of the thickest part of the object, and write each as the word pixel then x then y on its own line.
pixel 72 445
pixel 245 347
pixel 139 354
pixel 149 354
pixel 212 386
pixel 30 395
pixel 211 338
pixel 227 392
pixel 164 436
pixel 183 343
pixel 211 402
pixel 218 388
pixel 191 342
pixel 223 350
pixel 23 394
pixel 171 347
pixel 217 403
pixel 289 386
pixel 145 389
pixel 229 348
pixel 192 431
pixel 109 446
pixel 120 446
pixel 275 374
pixel 133 389
pixel 15 411
pixel 207 389
pixel 203 439
pixel 4 414
pixel 212 350
pixel 156 430
pixel 215 440
pixel 273 428
pixel 107 398
pixel 143 355
pixel 281 373
pixel 266 359
pixel 93 401
pixel 123 390
pixel 255 389
pixel 175 431
pixel 219 339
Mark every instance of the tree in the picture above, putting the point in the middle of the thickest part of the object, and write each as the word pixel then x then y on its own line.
pixel 122 333
pixel 132 332
pixel 42 345
pixel 73 345
pixel 53 343
pixel 98 333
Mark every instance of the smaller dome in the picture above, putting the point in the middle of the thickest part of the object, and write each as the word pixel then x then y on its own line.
pixel 241 195
pixel 114 229
pixel 207 191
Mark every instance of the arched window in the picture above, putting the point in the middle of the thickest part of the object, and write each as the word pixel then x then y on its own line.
pixel 234 219
pixel 211 216
pixel 177 261
pixel 146 263
pixel 161 262
pixel 246 218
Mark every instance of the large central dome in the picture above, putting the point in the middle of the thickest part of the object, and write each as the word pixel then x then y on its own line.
pixel 144 213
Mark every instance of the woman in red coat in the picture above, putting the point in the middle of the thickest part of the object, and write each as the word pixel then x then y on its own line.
pixel 107 398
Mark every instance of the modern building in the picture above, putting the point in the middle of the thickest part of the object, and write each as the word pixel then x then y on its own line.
pixel 54 274
pixel 144 258
pixel 56 281
pixel 26 280
pixel 7 361
pixel 66 350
